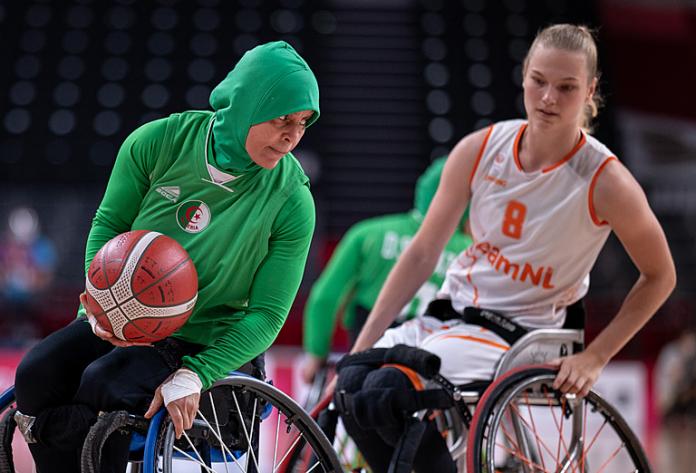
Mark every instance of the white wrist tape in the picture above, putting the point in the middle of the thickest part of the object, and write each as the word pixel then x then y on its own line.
pixel 93 323
pixel 183 383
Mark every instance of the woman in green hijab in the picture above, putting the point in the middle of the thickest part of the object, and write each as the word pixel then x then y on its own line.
pixel 255 219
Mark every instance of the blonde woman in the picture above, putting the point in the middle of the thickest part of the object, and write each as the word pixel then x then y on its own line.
pixel 544 196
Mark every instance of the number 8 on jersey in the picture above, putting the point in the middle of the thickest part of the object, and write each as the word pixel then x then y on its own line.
pixel 515 212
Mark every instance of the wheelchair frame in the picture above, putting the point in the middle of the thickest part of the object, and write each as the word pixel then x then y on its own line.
pixel 160 445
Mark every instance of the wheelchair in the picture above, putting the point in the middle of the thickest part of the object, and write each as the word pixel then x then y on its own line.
pixel 517 423
pixel 243 424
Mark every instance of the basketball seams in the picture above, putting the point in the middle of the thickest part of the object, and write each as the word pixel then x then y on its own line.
pixel 110 299
pixel 102 296
pixel 118 320
pixel 168 273
pixel 123 284
pixel 134 305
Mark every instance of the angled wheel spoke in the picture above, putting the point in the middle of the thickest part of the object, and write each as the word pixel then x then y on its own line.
pixel 519 456
pixel 534 430
pixel 246 432
pixel 316 464
pixel 536 435
pixel 584 437
pixel 288 452
pixel 275 447
pixel 253 424
pixel 596 436
pixel 216 429
pixel 198 460
pixel 561 437
pixel 610 459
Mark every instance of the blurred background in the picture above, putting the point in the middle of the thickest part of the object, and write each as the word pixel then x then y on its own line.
pixel 401 82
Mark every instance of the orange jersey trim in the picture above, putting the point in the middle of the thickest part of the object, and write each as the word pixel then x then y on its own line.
pixel 477 340
pixel 412 375
pixel 471 254
pixel 471 281
pixel 516 147
pixel 568 156
pixel 516 151
pixel 480 155
pixel 590 194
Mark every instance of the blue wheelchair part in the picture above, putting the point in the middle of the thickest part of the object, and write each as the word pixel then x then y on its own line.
pixel 7 397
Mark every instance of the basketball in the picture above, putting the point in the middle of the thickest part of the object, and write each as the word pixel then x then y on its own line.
pixel 141 286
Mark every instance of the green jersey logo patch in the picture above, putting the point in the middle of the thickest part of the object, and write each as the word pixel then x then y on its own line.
pixel 193 216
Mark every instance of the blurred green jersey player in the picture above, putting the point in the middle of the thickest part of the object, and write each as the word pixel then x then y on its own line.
pixel 352 279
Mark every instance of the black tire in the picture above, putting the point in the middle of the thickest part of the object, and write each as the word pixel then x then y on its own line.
pixel 7 430
pixel 528 382
pixel 316 389
pixel 314 394
pixel 106 424
pixel 249 397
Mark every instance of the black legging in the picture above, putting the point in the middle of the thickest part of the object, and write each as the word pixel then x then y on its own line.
pixel 377 444
pixel 71 375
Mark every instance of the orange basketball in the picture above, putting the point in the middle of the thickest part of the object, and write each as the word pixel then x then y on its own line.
pixel 141 286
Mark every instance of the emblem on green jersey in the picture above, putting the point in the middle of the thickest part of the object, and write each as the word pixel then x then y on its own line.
pixel 193 216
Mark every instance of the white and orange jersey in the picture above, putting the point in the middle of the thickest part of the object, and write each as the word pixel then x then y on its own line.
pixel 536 235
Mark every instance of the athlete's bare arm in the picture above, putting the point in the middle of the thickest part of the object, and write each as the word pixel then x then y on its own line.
pixel 620 201
pixel 418 262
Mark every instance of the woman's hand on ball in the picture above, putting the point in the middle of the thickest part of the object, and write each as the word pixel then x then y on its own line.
pixel 101 332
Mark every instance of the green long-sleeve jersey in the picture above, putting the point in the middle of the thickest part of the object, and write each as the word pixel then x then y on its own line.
pixel 246 228
pixel 357 270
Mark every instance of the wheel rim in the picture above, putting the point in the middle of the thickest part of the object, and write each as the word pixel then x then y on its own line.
pixel 534 429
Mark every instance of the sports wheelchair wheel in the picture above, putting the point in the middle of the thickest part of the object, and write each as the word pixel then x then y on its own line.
pixel 522 425
pixel 242 425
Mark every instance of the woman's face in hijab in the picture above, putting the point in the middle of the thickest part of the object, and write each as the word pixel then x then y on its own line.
pixel 267 142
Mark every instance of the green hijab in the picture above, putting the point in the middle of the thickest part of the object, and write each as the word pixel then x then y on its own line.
pixel 270 80
pixel 426 185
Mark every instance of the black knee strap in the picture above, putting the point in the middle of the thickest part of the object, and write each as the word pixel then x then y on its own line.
pixel 406 448
pixel 374 408
pixel 421 361
pixel 372 357
pixel 389 406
